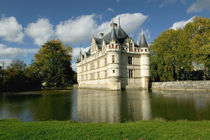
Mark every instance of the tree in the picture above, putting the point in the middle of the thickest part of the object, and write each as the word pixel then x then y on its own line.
pixel 198 34
pixel 170 58
pixel 17 64
pixel 53 63
pixel 175 53
pixel 14 78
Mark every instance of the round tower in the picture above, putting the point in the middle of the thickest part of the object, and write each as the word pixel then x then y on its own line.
pixel 113 59
pixel 144 61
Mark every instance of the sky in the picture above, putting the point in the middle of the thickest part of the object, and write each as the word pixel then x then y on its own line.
pixel 25 25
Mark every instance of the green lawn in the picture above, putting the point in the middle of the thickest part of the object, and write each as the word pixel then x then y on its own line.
pixel 156 129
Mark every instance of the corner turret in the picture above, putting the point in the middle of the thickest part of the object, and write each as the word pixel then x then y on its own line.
pixel 144 61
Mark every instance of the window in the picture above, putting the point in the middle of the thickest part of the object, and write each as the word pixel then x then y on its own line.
pixel 130 73
pixel 130 47
pixel 112 45
pixel 141 50
pixel 116 47
pixel 145 50
pixel 130 60
pixel 113 71
pixel 113 59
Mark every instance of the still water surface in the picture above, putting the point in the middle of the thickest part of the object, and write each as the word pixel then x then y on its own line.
pixel 105 106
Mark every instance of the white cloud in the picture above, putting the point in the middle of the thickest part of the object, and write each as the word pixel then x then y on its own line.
pixel 181 24
pixel 10 30
pixel 76 30
pixel 199 6
pixel 81 29
pixel 129 22
pixel 10 52
pixel 110 9
pixel 117 1
pixel 41 31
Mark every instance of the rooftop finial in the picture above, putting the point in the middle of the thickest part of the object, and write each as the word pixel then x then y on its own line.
pixel 142 30
pixel 119 20
pixel 80 52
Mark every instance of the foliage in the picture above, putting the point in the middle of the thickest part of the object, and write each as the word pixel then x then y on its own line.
pixel 17 64
pixel 18 78
pixel 155 129
pixel 52 66
pixel 53 63
pixel 175 53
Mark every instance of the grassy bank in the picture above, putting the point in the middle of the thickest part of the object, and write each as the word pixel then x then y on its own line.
pixel 156 129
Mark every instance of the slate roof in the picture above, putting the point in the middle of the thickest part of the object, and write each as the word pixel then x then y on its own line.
pixel 116 33
pixel 119 35
pixel 143 42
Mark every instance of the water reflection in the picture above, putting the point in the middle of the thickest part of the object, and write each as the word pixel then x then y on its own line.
pixel 177 105
pixel 98 106
pixel 137 105
pixel 106 106
pixel 113 106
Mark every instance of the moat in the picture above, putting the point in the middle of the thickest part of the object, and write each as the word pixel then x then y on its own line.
pixel 84 105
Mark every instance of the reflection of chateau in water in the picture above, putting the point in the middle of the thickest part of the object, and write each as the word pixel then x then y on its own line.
pixel 85 105
pixel 100 106
pixel 113 106
pixel 138 105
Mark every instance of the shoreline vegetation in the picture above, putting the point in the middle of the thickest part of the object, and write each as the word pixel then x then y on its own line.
pixel 142 130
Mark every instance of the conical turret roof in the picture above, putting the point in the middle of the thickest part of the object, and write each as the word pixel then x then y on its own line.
pixel 142 41
pixel 113 33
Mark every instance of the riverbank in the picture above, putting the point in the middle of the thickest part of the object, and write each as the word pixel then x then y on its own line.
pixel 155 129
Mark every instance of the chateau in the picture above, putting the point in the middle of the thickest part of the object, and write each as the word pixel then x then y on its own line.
pixel 114 61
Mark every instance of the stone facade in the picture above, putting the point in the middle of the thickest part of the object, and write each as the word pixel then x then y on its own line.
pixel 114 62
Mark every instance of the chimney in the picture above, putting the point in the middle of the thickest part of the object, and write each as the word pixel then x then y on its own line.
pixel 101 35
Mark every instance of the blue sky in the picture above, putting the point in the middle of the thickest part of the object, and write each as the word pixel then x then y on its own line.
pixel 25 24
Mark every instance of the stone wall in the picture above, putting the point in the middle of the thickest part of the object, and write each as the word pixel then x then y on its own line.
pixel 182 85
